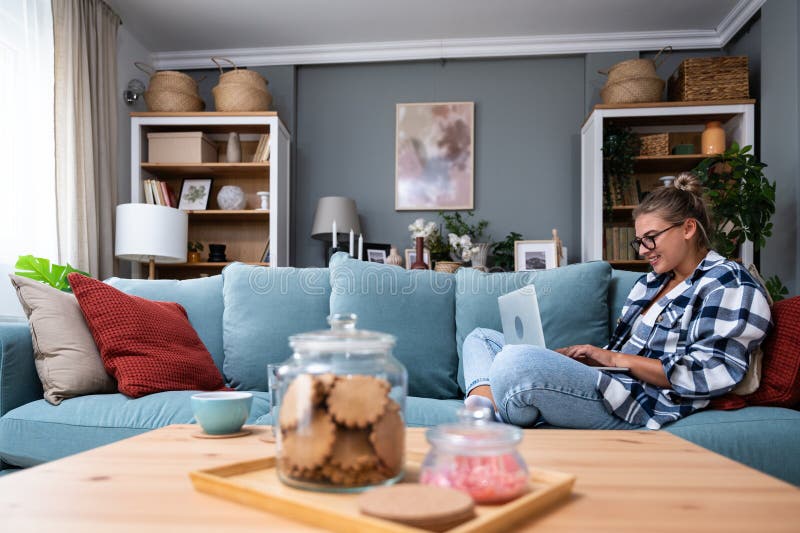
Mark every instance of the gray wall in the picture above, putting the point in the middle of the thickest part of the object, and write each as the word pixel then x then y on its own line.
pixel 527 143
pixel 780 133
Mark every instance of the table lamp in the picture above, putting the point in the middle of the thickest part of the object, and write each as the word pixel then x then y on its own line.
pixel 334 209
pixel 151 233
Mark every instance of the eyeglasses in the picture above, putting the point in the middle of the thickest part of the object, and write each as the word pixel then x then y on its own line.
pixel 649 241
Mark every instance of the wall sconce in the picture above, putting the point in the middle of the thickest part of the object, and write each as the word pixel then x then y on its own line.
pixel 133 91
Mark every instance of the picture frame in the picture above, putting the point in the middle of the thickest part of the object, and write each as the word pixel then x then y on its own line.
pixel 195 193
pixel 435 156
pixel 376 253
pixel 411 257
pixel 535 255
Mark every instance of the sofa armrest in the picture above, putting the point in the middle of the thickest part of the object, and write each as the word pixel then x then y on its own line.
pixel 19 382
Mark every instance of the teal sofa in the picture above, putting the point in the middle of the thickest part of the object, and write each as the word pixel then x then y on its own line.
pixel 245 316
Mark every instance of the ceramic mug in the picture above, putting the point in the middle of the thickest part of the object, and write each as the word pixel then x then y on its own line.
pixel 221 413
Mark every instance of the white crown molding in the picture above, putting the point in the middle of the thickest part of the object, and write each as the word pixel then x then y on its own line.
pixel 466 48
pixel 742 12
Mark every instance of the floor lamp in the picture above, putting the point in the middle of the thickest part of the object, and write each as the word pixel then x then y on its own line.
pixel 151 233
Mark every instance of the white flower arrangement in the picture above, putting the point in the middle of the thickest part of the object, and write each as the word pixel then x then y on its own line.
pixel 420 228
pixel 462 245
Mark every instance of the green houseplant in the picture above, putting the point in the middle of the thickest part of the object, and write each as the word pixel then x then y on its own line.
pixel 743 201
pixel 503 251
pixel 41 269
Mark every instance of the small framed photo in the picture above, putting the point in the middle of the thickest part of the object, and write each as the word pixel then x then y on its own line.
pixel 375 252
pixel 535 255
pixel 195 194
pixel 411 257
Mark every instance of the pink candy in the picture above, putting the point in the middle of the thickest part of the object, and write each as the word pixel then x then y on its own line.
pixel 488 479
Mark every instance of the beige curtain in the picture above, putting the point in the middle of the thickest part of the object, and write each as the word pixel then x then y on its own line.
pixel 85 39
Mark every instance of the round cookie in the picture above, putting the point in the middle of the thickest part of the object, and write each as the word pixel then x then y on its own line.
pixel 388 438
pixel 308 445
pixel 418 505
pixel 297 402
pixel 353 450
pixel 358 401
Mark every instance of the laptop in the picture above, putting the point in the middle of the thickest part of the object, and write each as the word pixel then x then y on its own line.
pixel 522 323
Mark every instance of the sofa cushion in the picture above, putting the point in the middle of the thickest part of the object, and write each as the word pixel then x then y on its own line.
pixel 620 285
pixel 263 307
pixel 780 371
pixel 38 432
pixel 764 438
pixel 572 302
pixel 147 346
pixel 67 359
pixel 416 306
pixel 201 297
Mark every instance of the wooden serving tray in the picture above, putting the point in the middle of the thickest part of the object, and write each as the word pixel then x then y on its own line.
pixel 256 484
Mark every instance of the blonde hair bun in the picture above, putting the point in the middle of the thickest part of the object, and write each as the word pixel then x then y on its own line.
pixel 687 181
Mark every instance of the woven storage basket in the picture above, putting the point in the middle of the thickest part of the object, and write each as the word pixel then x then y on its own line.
pixel 633 91
pixel 237 75
pixel 172 101
pixel 636 68
pixel 168 80
pixel 240 97
pixel 654 144
pixel 710 78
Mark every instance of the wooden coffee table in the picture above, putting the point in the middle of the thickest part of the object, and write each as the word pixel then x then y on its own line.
pixel 626 481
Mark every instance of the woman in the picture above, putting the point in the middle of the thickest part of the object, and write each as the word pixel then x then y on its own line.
pixel 686 333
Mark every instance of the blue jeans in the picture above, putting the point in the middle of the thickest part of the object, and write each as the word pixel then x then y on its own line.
pixel 533 385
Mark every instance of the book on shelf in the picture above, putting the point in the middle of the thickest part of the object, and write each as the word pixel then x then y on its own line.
pixel 265 254
pixel 148 192
pixel 261 154
pixel 608 243
pixel 158 192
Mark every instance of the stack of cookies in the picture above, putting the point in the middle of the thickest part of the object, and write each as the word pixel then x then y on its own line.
pixel 340 431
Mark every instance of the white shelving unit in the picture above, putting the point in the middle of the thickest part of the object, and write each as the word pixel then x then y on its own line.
pixel 737 119
pixel 245 231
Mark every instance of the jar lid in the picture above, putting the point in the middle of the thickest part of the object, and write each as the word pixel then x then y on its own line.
pixel 342 337
pixel 475 434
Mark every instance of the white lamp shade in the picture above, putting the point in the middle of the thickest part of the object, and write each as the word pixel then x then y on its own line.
pixel 146 231
pixel 338 208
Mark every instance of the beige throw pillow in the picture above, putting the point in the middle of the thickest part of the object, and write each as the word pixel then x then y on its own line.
pixel 67 359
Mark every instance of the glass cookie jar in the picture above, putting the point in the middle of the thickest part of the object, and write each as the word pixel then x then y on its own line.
pixel 340 417
pixel 477 456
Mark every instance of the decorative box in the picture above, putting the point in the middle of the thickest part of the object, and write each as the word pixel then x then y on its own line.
pixel 180 147
pixel 710 78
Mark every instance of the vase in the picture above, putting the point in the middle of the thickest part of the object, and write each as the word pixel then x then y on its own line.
pixel 713 138
pixel 216 253
pixel 420 264
pixel 394 257
pixel 193 257
pixel 231 197
pixel 480 256
pixel 234 151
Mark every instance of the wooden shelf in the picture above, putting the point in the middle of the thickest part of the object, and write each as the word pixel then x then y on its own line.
pixel 206 264
pixel 624 207
pixel 221 214
pixel 667 163
pixel 648 105
pixel 196 170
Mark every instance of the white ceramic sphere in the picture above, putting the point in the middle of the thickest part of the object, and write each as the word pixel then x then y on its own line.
pixel 231 197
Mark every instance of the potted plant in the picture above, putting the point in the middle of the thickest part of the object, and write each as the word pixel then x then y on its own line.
pixel 743 202
pixel 194 247
pixel 620 147
pixel 464 238
pixel 503 251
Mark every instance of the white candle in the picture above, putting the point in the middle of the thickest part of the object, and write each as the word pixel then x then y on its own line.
pixel 351 242
pixel 333 235
pixel 360 246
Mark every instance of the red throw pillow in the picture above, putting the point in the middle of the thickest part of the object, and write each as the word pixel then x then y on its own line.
pixel 780 372
pixel 147 346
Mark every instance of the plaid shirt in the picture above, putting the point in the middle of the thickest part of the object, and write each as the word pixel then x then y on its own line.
pixel 703 332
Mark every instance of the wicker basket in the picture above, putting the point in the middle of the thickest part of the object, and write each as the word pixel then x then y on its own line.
pixel 710 78
pixel 168 80
pixel 636 68
pixel 654 144
pixel 633 91
pixel 172 101
pixel 240 97
pixel 239 76
pixel 447 266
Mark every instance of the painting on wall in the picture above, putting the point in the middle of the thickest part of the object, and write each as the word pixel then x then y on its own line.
pixel 434 156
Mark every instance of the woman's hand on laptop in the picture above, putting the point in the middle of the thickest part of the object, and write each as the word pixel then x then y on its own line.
pixel 590 355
